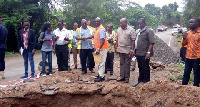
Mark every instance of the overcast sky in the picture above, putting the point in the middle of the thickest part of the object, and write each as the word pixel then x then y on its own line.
pixel 160 3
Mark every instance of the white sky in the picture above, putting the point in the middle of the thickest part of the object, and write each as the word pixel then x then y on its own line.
pixel 160 3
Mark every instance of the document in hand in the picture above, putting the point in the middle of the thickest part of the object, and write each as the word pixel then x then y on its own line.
pixel 21 50
pixel 97 58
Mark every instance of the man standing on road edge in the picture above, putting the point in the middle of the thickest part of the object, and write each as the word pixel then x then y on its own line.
pixel 144 50
pixel 192 61
pixel 101 47
pixel 3 36
pixel 125 46
pixel 26 47
pixel 62 37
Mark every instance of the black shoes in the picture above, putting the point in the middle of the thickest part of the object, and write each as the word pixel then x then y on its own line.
pixel 136 84
pixel 99 79
pixel 133 69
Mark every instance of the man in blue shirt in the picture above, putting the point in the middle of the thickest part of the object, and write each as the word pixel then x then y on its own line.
pixel 3 36
pixel 86 47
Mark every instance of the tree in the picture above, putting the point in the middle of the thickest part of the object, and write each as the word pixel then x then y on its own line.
pixel 192 8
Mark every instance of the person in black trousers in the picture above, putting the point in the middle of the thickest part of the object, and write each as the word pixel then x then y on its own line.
pixel 62 37
pixel 3 36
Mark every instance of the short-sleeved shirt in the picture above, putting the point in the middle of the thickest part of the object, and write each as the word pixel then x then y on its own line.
pixel 86 44
pixel 47 45
pixel 193 44
pixel 62 34
pixel 145 38
pixel 74 41
pixel 125 38
pixel 112 36
pixel 102 33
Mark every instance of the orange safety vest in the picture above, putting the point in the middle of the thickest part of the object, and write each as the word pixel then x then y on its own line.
pixel 97 40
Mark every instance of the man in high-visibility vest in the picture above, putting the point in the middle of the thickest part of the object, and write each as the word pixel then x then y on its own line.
pixel 86 47
pixel 74 43
pixel 101 47
pixel 69 44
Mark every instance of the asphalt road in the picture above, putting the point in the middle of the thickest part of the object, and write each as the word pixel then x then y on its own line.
pixel 170 40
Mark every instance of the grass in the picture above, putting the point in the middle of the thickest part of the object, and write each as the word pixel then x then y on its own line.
pixel 11 54
pixel 180 75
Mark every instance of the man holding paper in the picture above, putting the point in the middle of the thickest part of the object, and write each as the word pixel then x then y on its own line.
pixel 26 47
pixel 101 47
pixel 62 37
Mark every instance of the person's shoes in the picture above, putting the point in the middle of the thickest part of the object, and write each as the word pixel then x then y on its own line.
pixel 44 75
pixel 120 79
pixel 84 72
pixel 92 71
pixel 135 84
pixel 75 67
pixel 126 81
pixel 50 73
pixel 111 72
pixel 2 76
pixel 99 79
pixel 133 69
pixel 32 76
pixel 105 72
pixel 22 77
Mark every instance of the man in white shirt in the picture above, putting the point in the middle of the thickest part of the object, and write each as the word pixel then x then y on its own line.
pixel 62 37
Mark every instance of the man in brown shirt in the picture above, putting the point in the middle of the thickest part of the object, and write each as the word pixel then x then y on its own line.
pixel 143 50
pixel 125 46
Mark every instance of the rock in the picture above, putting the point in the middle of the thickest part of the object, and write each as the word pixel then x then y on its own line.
pixel 56 81
pixel 49 92
pixel 112 78
pixel 163 53
pixel 89 82
pixel 12 88
pixel 42 87
pixel 68 81
pixel 17 88
pixel 28 80
pixel 85 80
pixel 57 88
pixel 51 88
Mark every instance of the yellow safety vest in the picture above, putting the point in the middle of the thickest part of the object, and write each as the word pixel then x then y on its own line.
pixel 70 42
pixel 79 41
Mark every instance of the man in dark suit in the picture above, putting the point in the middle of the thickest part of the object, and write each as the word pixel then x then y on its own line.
pixel 3 36
pixel 26 46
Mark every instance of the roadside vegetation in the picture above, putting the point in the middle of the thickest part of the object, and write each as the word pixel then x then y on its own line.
pixel 110 11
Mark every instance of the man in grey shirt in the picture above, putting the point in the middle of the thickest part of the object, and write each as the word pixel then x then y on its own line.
pixel 143 50
pixel 125 46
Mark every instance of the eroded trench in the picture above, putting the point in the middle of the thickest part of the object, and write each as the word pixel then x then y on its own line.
pixel 67 100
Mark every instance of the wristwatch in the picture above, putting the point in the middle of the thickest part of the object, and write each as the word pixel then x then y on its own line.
pixel 148 52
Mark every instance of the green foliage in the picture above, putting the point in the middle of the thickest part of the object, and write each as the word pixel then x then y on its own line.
pixel 15 11
pixel 191 10
pixel 110 11
pixel 172 79
pixel 11 54
pixel 180 75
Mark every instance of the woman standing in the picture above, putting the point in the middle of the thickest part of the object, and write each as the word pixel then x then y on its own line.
pixel 47 39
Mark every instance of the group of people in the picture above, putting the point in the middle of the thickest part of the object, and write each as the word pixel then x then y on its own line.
pixel 88 40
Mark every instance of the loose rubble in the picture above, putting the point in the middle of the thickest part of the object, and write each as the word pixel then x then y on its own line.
pixel 163 53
